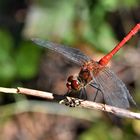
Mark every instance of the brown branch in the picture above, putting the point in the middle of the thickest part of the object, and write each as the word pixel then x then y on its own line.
pixel 37 93
pixel 84 104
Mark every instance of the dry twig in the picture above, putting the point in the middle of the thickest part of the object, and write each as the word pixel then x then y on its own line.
pixel 84 104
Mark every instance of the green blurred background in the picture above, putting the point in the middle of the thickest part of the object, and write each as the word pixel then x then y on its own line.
pixel 95 27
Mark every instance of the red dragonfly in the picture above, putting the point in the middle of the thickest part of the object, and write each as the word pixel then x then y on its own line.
pixel 95 74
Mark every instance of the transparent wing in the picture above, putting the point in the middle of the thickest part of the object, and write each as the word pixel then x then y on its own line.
pixel 114 90
pixel 73 54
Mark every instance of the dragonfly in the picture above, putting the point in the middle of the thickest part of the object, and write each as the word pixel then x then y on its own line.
pixel 95 73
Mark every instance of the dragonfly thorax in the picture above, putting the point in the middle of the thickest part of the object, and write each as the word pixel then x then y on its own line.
pixel 85 76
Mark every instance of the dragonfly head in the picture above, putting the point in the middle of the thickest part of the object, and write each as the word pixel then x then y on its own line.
pixel 73 83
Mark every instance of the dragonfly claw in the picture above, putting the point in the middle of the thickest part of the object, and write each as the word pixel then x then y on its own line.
pixel 71 102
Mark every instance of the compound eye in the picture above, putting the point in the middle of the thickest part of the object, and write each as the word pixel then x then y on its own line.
pixel 75 84
pixel 70 78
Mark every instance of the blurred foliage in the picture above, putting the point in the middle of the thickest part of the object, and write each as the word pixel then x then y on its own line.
pixel 27 60
pixel 98 23
pixel 99 130
pixel 8 70
pixel 20 63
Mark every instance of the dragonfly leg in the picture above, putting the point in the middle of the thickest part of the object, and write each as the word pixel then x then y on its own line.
pixel 68 93
pixel 71 102
pixel 83 94
pixel 96 86
pixel 95 95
